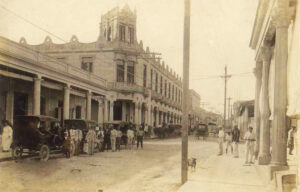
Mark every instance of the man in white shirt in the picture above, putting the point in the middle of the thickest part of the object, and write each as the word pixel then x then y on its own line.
pixel 130 135
pixel 250 139
pixel 221 140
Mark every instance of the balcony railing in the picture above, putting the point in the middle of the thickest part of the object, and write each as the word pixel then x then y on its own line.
pixel 156 96
pixel 126 87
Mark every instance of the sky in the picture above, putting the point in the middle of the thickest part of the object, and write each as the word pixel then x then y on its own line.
pixel 220 35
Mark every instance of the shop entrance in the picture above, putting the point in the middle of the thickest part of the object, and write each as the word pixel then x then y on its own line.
pixel 20 104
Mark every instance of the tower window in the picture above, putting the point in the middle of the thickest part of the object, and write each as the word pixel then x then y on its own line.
pixel 122 32
pixel 120 71
pixel 130 72
pixel 87 64
pixel 109 34
pixel 131 35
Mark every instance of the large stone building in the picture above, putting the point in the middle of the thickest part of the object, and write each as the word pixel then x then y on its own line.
pixel 276 39
pixel 110 80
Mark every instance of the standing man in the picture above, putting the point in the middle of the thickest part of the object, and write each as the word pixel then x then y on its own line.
pixel 113 138
pixel 146 129
pixel 7 136
pixel 90 137
pixel 291 136
pixel 118 141
pixel 250 139
pixel 130 136
pixel 228 139
pixel 140 135
pixel 221 140
pixel 236 140
pixel 106 138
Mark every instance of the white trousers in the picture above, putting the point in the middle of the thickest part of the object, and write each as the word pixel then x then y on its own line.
pixel 249 151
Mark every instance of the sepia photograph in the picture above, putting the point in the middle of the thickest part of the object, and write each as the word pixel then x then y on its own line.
pixel 149 96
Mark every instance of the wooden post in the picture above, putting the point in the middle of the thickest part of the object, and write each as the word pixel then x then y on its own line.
pixel 186 67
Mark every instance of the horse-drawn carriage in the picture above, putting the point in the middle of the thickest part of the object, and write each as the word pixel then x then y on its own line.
pixel 201 131
pixel 37 134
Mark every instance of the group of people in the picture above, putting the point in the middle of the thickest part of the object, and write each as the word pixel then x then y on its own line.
pixel 111 137
pixel 232 139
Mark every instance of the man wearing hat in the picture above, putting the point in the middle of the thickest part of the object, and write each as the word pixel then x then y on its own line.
pixel 250 139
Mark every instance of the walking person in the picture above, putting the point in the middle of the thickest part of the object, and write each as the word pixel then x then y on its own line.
pixel 250 139
pixel 228 139
pixel 113 138
pixel 236 140
pixel 118 141
pixel 140 136
pixel 291 139
pixel 221 140
pixel 7 136
pixel 130 136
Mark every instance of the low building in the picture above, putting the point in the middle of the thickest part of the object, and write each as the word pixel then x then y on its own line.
pixel 110 80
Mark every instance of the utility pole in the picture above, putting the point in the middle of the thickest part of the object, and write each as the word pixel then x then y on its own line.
pixel 226 77
pixel 186 71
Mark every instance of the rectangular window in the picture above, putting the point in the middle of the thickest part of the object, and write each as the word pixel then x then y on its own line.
pixel 120 71
pixel 130 72
pixel 169 96
pixel 122 32
pixel 156 82
pixel 161 85
pixel 145 76
pixel 172 92
pixel 131 35
pixel 151 79
pixel 166 86
pixel 176 94
pixel 87 64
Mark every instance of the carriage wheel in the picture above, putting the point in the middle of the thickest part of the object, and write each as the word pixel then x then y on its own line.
pixel 44 153
pixel 17 152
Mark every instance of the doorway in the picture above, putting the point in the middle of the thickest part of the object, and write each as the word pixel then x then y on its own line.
pixel 20 104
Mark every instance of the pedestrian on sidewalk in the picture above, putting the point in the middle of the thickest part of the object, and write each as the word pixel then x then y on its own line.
pixel 291 136
pixel 7 136
pixel 236 140
pixel 146 129
pixel 106 142
pixel 118 141
pixel 90 138
pixel 130 136
pixel 113 138
pixel 250 139
pixel 140 136
pixel 228 139
pixel 221 140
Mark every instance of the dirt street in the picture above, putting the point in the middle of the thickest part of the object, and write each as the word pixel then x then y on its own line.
pixel 156 168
